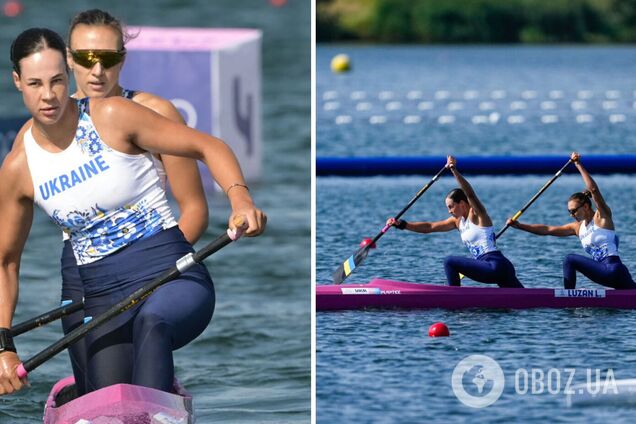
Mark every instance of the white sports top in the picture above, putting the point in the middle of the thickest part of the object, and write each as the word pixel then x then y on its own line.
pixel 102 198
pixel 598 242
pixel 478 240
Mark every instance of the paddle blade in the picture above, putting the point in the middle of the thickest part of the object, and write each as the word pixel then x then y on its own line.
pixel 350 264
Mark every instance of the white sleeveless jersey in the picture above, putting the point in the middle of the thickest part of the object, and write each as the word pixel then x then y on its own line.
pixel 161 171
pixel 478 240
pixel 598 242
pixel 102 198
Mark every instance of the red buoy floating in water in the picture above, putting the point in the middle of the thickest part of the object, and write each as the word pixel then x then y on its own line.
pixel 439 329
pixel 367 242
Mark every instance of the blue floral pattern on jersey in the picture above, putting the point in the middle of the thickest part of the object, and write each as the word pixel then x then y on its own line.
pixel 86 137
pixel 479 249
pixel 97 233
pixel 598 253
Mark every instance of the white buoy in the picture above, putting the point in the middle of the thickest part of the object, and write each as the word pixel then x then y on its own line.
pixel 549 119
pixel 412 119
pixel 330 95
pixel 362 106
pixel 584 118
pixel 617 118
pixel 331 105
pixel 343 119
pixel 426 105
pixel 578 104
pixel 486 106
pixel 414 95
pixel 516 119
pixel 609 104
pixel 518 105
pixel 393 105
pixel 377 119
pixel 446 119
pixel 555 94
pixel 529 94
pixel 479 119
pixel 498 94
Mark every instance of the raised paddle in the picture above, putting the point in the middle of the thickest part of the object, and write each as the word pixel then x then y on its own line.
pixel 67 308
pixel 356 259
pixel 535 197
pixel 137 296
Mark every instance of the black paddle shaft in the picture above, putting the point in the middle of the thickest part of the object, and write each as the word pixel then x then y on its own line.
pixel 46 317
pixel 535 197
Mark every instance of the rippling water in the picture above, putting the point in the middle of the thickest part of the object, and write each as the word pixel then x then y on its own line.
pixel 505 100
pixel 381 366
pixel 252 364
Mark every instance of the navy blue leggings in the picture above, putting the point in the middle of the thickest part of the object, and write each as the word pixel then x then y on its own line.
pixel 491 268
pixel 136 346
pixel 72 289
pixel 609 272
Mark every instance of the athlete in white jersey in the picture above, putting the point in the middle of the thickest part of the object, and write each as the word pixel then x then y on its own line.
pixel 469 216
pixel 595 229
pixel 115 213
pixel 97 53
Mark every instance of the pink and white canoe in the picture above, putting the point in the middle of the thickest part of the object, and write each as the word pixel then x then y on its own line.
pixel 118 404
pixel 387 294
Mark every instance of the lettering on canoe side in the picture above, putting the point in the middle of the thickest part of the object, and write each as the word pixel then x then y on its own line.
pixel 595 293
pixel 367 290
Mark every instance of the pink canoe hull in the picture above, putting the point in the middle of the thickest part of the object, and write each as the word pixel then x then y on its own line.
pixel 387 294
pixel 120 404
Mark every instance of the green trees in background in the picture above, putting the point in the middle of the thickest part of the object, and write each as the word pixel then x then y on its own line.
pixel 477 21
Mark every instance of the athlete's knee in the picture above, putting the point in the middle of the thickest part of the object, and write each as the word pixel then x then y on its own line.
pixel 147 322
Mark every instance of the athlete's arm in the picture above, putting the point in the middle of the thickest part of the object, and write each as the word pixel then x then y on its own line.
pixel 183 176
pixel 16 215
pixel 428 227
pixel 570 229
pixel 605 213
pixel 131 128
pixel 478 209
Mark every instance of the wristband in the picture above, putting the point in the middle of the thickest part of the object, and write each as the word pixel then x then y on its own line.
pixel 236 185
pixel 401 224
pixel 6 341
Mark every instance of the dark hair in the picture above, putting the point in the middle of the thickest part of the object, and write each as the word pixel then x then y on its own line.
pixel 99 17
pixel 35 40
pixel 457 195
pixel 583 197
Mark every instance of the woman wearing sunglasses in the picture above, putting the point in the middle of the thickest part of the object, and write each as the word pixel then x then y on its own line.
pixel 89 165
pixel 470 218
pixel 595 229
pixel 96 53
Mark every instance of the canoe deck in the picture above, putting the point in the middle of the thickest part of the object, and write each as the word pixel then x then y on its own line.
pixel 388 294
pixel 118 404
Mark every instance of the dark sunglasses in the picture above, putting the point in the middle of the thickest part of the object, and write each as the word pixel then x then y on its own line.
pixel 88 58
pixel 575 210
